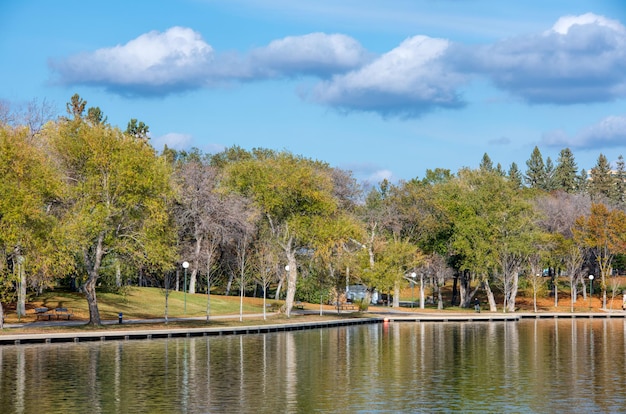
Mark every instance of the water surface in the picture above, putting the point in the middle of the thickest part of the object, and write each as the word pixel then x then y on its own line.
pixel 532 366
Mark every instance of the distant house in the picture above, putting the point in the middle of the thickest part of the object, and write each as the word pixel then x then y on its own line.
pixel 358 292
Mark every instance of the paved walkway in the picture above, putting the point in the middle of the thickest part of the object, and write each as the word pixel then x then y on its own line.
pixel 377 315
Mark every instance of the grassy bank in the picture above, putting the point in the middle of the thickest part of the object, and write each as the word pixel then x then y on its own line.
pixel 138 303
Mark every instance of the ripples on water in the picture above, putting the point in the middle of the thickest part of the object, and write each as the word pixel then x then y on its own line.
pixel 518 367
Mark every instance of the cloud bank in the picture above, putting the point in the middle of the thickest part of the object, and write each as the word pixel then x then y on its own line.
pixel 610 132
pixel 580 59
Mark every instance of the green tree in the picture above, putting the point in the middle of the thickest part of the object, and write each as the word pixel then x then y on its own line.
pixel 602 183
pixel 536 173
pixel 566 172
pixel 117 197
pixel 550 182
pixel 492 231
pixel 515 175
pixel 76 106
pixel 582 182
pixel 29 185
pixel 138 129
pixel 96 116
pixel 619 194
pixel 485 163
pixel 295 196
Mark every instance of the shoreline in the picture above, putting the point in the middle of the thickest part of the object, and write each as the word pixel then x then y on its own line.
pixel 289 325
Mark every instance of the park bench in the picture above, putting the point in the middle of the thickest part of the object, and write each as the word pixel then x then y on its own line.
pixel 298 305
pixel 62 313
pixel 344 305
pixel 42 313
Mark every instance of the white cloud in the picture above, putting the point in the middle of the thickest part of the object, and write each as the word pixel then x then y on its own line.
pixel 379 176
pixel 173 140
pixel 153 62
pixel 565 23
pixel 580 59
pixel 407 81
pixel 316 53
pixel 609 132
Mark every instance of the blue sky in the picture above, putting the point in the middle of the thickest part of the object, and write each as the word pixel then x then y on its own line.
pixel 384 89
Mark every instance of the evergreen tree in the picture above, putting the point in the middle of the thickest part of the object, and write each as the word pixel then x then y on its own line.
pixel 602 183
pixel 500 171
pixel 565 174
pixel 620 180
pixel 515 175
pixel 96 116
pixel 485 163
pixel 582 181
pixel 549 184
pixel 536 173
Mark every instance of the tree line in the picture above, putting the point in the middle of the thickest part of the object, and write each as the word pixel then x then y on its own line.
pixel 86 205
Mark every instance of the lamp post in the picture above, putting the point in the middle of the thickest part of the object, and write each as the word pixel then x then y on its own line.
pixel 590 290
pixel 185 266
pixel 413 275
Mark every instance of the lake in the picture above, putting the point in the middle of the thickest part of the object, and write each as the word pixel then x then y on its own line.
pixel 529 366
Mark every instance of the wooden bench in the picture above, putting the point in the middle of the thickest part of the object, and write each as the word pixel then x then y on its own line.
pixel 298 305
pixel 62 313
pixel 42 313
pixel 347 306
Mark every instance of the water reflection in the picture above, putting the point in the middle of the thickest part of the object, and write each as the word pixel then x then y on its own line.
pixel 529 366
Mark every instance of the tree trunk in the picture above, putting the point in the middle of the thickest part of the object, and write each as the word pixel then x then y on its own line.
pixel 90 294
pixel 93 270
pixel 167 295
pixel 193 281
pixel 118 273
pixel 455 289
pixel 194 267
pixel 438 283
pixel 490 298
pixel 464 289
pixel 292 276
pixel 1 316
pixel 229 284
pixel 396 295
pixel 512 294
pixel 21 304
pixel 556 291
pixel 281 280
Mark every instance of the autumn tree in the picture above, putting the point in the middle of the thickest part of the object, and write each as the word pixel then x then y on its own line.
pixel 556 217
pixel 208 219
pixel 295 196
pixel 29 187
pixel 604 232
pixel 116 199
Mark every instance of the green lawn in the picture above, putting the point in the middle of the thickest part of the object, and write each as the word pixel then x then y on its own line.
pixel 141 303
